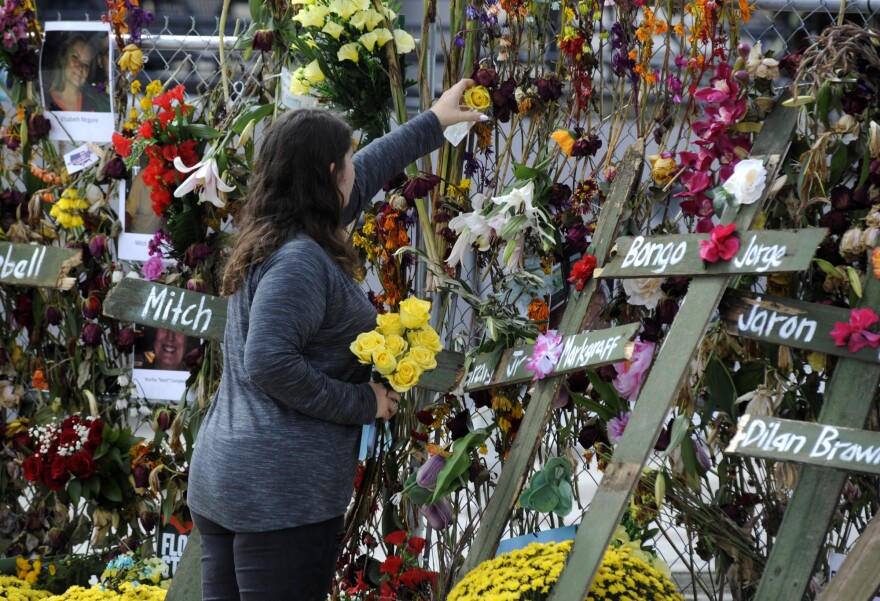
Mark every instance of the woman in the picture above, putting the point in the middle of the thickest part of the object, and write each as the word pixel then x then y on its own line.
pixel 274 464
pixel 71 88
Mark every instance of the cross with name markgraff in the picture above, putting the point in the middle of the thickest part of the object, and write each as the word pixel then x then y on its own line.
pixel 760 252
pixel 828 449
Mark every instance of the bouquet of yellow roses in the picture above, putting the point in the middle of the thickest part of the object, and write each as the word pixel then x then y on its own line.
pixel 402 347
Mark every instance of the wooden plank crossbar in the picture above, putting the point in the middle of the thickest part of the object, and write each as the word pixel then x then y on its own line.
pixel 37 265
pixel 591 349
pixel 788 322
pixel 759 252
pixel 810 443
pixel 522 453
pixel 848 399
pixel 660 389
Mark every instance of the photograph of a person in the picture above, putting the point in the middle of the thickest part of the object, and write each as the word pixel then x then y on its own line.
pixel 76 82
pixel 159 372
pixel 163 349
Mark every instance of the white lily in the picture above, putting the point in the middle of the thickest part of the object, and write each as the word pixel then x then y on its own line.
pixel 206 174
pixel 471 227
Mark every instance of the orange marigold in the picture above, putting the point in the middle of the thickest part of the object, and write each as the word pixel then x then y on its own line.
pixel 539 311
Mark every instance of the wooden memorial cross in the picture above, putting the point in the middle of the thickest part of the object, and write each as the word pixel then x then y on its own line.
pixel 671 367
pixel 832 443
pixel 37 265
pixel 531 430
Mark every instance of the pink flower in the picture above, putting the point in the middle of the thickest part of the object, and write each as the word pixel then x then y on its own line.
pixel 548 348
pixel 631 374
pixel 721 245
pixel 855 335
pixel 153 268
pixel 722 87
pixel 616 426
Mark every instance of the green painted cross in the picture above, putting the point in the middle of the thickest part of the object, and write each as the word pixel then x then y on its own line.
pixel 835 442
pixel 37 265
pixel 672 364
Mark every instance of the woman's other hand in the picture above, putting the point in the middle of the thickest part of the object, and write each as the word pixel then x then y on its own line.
pixel 450 108
pixel 387 401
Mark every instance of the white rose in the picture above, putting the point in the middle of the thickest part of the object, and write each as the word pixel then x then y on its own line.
pixel 644 291
pixel 747 182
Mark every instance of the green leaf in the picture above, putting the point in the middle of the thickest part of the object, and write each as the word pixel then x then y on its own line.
pixel 167 508
pixel 839 162
pixel 255 114
pixel 110 489
pixel 419 495
pixel 74 489
pixel 604 413
pixel 544 498
pixel 202 131
pixel 680 427
pixel 855 281
pixel 523 172
pixel 720 387
pixel 748 376
pixel 827 267
pixel 457 464
pixel 606 391
pixel 513 226
pixel 823 102
pixel 101 450
pixel 256 10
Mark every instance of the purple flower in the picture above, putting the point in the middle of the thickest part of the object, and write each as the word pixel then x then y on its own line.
pixel 616 426
pixel 26 64
pixel 153 268
pixel 548 348
pixel 38 126
pixel 125 340
pixel 162 419
pixel 115 168
pixel 91 334
pixel 263 40
pixel 439 514
pixel 458 40
pixel 197 284
pixel 426 477
pixel 631 374
pixel 98 245
pixel 52 316
pixel 195 254
pixel 137 19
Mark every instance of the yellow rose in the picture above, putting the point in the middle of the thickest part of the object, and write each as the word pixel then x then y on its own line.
pixel 348 52
pixel 426 337
pixel 404 42
pixel 334 29
pixel 366 344
pixel 423 356
pixel 414 313
pixel 477 98
pixel 395 344
pixel 389 323
pixel 662 169
pixel 406 376
pixel 132 59
pixel 385 361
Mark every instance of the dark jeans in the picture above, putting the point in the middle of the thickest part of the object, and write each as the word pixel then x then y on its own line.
pixel 294 564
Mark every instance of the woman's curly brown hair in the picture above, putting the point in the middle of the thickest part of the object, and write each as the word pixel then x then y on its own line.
pixel 293 191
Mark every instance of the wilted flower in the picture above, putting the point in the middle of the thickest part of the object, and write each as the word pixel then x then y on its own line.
pixel 91 334
pixel 761 401
pixel 52 316
pixel 125 340
pixel 91 307
pixel 98 245
pixel 263 40
pixel 760 67
pixel 38 126
pixel 663 167
pixel 115 169
pixel 132 59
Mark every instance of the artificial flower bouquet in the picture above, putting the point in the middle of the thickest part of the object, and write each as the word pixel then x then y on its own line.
pixel 402 347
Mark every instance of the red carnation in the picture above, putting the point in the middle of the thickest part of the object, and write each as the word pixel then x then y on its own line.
pixel 122 145
pixel 391 565
pixel 416 545
pixel 413 577
pixel 582 271
pixel 397 538
pixel 146 130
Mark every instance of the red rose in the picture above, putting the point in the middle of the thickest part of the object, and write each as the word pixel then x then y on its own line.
pixel 58 475
pixel 68 438
pixel 81 464
pixel 96 435
pixel 582 271
pixel 33 468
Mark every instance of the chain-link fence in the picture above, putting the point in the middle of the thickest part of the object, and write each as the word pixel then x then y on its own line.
pixel 187 51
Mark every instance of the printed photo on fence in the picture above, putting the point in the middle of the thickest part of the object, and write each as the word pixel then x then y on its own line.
pixel 139 222
pixel 159 370
pixel 76 82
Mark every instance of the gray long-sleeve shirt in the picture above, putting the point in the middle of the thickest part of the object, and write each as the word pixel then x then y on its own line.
pixel 278 447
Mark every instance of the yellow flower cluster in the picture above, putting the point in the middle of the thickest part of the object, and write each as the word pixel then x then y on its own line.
pixel 129 592
pixel 16 589
pixel 529 573
pixel 68 209
pixel 403 345
pixel 354 25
